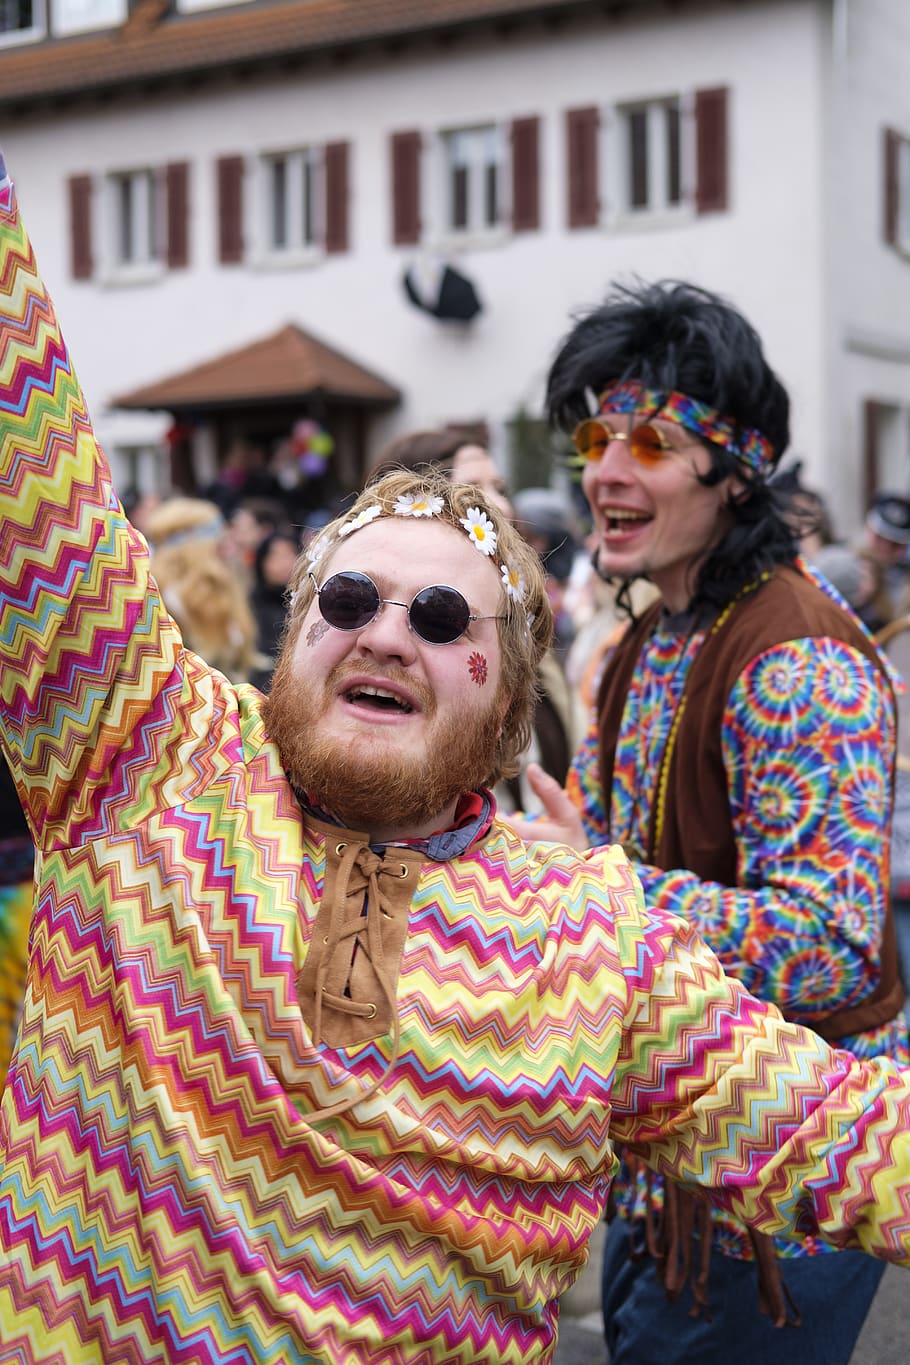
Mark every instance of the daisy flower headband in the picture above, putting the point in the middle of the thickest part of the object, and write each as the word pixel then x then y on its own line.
pixel 477 526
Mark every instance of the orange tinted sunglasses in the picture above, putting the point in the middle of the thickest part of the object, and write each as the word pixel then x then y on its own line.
pixel 647 444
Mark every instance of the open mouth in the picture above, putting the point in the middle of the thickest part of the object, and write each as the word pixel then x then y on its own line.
pixel 378 698
pixel 620 519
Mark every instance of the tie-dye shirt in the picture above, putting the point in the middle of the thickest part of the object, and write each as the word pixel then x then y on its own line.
pixel 167 1192
pixel 808 737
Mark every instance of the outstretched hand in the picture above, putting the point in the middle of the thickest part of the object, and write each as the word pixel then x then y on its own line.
pixel 559 822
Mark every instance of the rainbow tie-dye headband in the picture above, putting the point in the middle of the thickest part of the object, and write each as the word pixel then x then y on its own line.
pixel 748 445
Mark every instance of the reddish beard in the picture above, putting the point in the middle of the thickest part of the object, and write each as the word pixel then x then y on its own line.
pixel 361 784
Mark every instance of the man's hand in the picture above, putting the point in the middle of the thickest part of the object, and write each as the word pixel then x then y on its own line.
pixel 560 822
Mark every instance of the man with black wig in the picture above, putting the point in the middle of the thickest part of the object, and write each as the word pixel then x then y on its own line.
pixel 742 751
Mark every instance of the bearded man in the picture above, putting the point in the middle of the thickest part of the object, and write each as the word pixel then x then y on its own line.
pixel 318 1061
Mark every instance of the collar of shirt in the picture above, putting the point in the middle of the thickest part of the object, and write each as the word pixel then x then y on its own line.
pixel 473 817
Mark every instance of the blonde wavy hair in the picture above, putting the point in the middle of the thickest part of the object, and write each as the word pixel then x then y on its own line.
pixel 526 629
pixel 199 589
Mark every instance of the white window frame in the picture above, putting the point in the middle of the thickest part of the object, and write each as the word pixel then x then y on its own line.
pixel 902 234
pixel 37 29
pixel 298 248
pixel 658 209
pixel 147 262
pixel 190 6
pixel 85 16
pixel 474 149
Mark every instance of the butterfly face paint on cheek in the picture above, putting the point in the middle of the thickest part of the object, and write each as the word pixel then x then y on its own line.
pixel 477 667
pixel 316 632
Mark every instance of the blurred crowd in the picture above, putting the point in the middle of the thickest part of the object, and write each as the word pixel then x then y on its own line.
pixel 223 562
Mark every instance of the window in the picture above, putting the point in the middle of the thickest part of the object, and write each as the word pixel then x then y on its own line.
pixel 897 190
pixel 649 159
pixel 903 194
pixel 293 202
pixel 474 179
pixel 143 226
pixel 293 209
pixel 651 156
pixel 483 181
pixel 189 6
pixel 80 16
pixel 21 21
pixel 885 432
pixel 136 226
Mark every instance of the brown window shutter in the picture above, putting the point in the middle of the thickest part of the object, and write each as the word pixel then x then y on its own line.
pixel 178 247
pixel 582 127
pixel 870 450
pixel 336 196
pixel 711 151
pixel 891 189
pixel 80 193
pixel 230 209
pixel 525 174
pixel 405 188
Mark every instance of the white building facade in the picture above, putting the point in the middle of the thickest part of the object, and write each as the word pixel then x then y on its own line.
pixel 190 204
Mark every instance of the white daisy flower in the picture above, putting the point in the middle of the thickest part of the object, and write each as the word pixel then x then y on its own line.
pixel 513 580
pixel 316 550
pixel 362 519
pixel 480 529
pixel 410 505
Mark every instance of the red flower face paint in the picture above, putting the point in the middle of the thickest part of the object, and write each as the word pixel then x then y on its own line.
pixel 316 632
pixel 477 667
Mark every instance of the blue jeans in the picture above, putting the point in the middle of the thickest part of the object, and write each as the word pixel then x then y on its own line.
pixel 833 1294
pixel 902 925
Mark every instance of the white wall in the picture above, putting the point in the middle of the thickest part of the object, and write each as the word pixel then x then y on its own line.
pixel 870 279
pixel 765 253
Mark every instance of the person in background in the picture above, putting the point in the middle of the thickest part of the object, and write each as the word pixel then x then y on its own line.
pixel 139 504
pixel 200 589
pixel 318 1060
pixel 246 527
pixel 742 751
pixel 886 547
pixel 273 566
pixel 807 510
pixel 545 519
pixel 851 573
pixel 459 455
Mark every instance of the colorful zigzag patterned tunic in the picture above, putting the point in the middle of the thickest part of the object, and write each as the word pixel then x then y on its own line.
pixel 166 1194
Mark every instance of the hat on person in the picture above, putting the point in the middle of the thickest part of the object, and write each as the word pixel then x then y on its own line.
pixel 889 517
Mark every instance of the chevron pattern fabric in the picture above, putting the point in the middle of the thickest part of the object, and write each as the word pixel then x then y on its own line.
pixel 165 1195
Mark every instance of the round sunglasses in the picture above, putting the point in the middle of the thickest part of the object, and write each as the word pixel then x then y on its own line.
pixel 439 615
pixel 647 444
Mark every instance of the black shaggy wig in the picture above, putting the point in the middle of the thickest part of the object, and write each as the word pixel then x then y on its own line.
pixel 674 335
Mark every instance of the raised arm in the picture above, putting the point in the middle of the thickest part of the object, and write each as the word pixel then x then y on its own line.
pixel 84 649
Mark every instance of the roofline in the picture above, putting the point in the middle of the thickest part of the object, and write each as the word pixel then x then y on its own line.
pixel 210 406
pixel 151 59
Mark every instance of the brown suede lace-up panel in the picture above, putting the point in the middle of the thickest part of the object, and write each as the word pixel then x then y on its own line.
pixel 348 985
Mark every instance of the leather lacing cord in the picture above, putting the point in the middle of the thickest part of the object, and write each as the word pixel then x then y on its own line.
pixel 367 931
pixel 670 1242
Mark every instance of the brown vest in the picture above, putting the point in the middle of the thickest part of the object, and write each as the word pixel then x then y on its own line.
pixel 690 823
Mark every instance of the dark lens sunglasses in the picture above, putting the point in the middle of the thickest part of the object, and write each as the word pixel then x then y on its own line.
pixel 647 444
pixel 439 615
